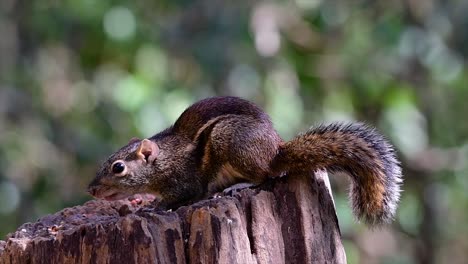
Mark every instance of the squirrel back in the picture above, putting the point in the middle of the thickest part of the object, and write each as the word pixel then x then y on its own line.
pixel 221 141
pixel 202 112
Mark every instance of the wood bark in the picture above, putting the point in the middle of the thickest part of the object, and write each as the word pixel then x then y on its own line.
pixel 286 220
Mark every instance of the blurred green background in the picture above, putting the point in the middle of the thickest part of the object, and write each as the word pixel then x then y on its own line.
pixel 80 78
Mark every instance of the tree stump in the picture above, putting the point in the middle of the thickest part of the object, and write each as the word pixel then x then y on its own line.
pixel 290 219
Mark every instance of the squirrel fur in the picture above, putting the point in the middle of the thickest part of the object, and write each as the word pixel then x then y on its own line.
pixel 221 141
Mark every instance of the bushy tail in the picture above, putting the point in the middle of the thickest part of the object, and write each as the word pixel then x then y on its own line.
pixel 359 151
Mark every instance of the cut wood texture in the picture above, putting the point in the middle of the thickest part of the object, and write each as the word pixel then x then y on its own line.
pixel 287 220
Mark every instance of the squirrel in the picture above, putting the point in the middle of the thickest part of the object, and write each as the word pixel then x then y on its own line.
pixel 220 141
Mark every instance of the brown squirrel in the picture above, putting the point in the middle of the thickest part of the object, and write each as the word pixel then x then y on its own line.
pixel 220 141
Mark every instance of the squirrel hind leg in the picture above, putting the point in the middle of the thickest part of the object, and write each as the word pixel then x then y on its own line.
pixel 250 156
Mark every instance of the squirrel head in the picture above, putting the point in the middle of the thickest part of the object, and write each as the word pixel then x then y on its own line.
pixel 126 171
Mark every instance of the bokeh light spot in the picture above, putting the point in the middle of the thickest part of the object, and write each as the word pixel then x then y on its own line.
pixel 119 23
pixel 10 197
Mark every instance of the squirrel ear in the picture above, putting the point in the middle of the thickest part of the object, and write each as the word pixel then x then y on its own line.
pixel 148 150
pixel 133 140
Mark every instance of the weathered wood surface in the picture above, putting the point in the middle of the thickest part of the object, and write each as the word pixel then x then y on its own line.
pixel 287 220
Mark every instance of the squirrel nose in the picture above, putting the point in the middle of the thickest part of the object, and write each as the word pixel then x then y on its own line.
pixel 93 187
pixel 91 190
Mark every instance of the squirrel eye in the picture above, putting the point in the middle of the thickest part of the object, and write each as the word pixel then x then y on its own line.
pixel 118 167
